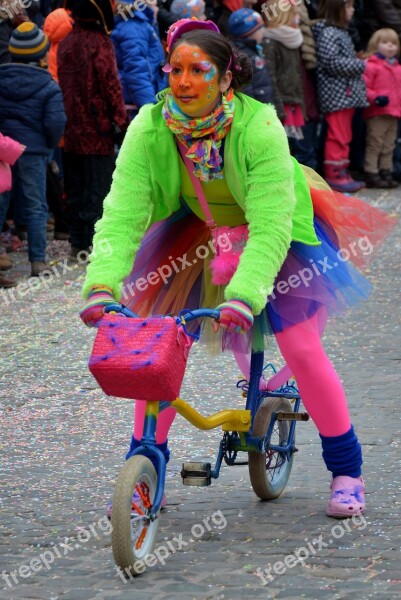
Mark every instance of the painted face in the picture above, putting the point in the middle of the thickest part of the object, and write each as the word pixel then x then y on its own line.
pixel 194 81
pixel 388 49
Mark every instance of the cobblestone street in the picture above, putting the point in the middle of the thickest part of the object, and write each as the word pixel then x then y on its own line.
pixel 62 443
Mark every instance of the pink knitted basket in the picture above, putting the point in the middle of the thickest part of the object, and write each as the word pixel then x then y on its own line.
pixel 144 359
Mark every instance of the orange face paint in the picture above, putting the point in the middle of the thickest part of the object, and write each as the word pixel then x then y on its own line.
pixel 194 81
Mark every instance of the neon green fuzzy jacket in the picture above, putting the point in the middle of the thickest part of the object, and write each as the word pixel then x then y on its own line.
pixel 263 178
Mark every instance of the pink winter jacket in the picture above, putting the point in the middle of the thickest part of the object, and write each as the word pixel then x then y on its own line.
pixel 10 151
pixel 383 79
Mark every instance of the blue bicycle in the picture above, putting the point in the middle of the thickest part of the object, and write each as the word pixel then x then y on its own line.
pixel 264 430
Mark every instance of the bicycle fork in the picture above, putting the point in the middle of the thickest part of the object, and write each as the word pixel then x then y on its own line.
pixel 148 448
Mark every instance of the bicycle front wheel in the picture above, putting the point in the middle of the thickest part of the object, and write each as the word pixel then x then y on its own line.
pixel 269 471
pixel 133 534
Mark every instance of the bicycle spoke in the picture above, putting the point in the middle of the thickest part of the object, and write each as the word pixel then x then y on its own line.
pixel 274 469
pixel 269 471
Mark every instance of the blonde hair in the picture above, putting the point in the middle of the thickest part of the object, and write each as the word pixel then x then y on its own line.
pixel 382 35
pixel 279 13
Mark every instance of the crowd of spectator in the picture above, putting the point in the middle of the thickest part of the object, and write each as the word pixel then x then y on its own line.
pixel 74 73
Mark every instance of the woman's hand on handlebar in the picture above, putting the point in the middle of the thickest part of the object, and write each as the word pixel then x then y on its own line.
pixel 99 298
pixel 235 316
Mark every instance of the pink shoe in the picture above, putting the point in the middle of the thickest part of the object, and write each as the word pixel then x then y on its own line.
pixel 347 497
pixel 340 180
pixel 136 499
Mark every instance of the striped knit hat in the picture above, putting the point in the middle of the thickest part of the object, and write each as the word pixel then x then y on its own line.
pixel 28 43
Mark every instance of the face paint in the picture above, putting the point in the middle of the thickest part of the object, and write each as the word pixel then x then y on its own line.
pixel 194 81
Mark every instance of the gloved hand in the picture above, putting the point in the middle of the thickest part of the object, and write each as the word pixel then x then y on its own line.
pixel 382 100
pixel 99 297
pixel 234 316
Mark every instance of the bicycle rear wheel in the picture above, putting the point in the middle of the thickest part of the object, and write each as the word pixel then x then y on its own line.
pixel 269 471
pixel 133 534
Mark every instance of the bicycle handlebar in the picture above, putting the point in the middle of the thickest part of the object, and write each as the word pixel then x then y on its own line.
pixel 185 316
pixel 121 310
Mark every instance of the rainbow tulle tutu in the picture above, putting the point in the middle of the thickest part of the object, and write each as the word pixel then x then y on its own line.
pixel 175 254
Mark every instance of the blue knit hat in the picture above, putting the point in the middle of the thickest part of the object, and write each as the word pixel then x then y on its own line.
pixel 244 21
pixel 28 43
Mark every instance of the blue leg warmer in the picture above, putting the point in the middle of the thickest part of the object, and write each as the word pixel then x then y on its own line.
pixel 343 454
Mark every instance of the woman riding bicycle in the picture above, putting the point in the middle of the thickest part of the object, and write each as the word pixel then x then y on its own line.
pixel 289 278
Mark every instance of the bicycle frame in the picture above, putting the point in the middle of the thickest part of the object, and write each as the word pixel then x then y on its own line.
pixel 231 420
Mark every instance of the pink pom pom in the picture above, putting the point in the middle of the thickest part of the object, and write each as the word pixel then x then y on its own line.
pixel 223 268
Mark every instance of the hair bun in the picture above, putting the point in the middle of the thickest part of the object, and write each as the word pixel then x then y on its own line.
pixel 241 69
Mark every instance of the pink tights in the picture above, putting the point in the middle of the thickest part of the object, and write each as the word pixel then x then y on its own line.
pixel 319 385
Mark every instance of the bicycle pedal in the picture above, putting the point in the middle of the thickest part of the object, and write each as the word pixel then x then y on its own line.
pixel 196 473
pixel 292 416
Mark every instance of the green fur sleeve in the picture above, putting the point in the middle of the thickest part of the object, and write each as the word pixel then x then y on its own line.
pixel 127 210
pixel 269 206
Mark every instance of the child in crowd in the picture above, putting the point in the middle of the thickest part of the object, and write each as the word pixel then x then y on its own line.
pixel 283 53
pixel 186 9
pixel 31 112
pixel 57 25
pixel 341 89
pixel 10 151
pixel 139 53
pixel 383 83
pixel 247 29
pixel 306 150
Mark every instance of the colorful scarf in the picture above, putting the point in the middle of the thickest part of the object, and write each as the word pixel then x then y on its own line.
pixel 201 135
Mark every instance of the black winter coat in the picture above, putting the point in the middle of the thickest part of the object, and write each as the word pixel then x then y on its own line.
pixel 5 34
pixel 261 87
pixel 377 14
pixel 164 17
pixel 31 107
pixel 340 84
